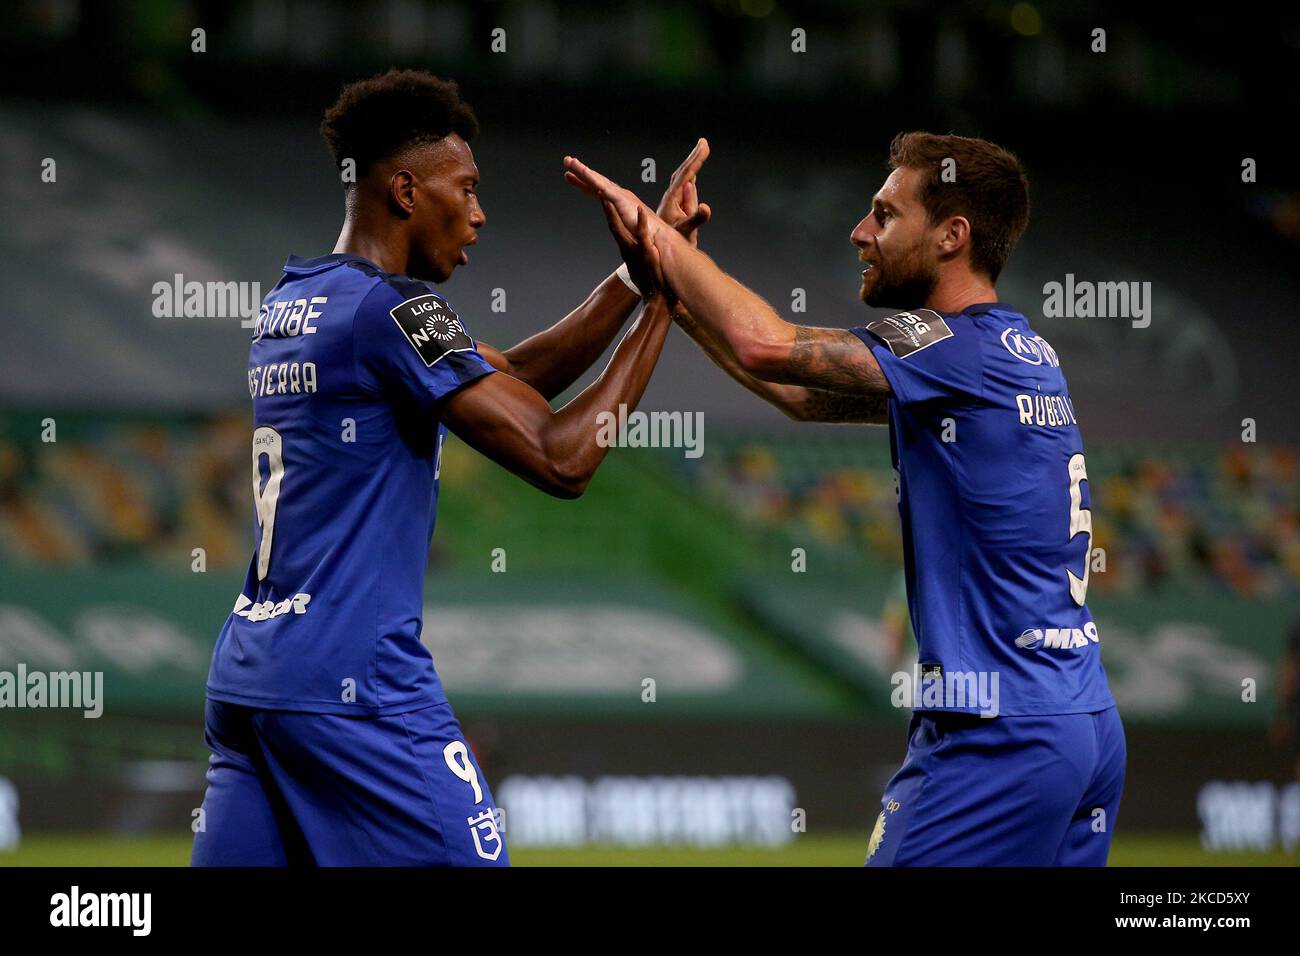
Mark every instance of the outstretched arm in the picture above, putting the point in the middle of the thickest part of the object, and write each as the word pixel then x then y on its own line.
pixel 796 401
pixel 507 420
pixel 765 345
pixel 553 359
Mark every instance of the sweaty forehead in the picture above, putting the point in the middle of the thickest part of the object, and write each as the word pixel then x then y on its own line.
pixel 899 190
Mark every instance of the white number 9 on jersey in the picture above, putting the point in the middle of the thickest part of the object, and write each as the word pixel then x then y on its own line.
pixel 266 441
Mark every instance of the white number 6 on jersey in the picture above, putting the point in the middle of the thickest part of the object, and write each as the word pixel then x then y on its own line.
pixel 1080 521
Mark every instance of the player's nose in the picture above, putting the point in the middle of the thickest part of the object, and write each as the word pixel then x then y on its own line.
pixel 861 234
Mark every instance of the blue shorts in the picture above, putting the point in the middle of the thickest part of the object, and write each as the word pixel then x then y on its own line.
pixel 288 788
pixel 1003 791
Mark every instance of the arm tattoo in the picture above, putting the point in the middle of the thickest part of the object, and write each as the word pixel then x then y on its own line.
pixel 836 361
pixel 822 406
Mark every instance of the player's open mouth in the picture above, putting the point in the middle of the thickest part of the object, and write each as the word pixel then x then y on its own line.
pixel 870 266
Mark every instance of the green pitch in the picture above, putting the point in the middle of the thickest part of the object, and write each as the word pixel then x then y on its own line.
pixel 838 850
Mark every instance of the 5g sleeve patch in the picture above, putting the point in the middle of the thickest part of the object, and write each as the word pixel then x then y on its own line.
pixel 432 327
pixel 909 332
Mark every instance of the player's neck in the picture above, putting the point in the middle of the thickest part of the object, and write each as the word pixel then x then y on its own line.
pixel 384 250
pixel 955 293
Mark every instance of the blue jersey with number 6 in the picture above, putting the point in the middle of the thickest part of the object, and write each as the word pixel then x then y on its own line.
pixel 347 372
pixel 995 506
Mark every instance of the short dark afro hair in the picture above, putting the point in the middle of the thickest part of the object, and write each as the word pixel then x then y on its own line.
pixel 376 118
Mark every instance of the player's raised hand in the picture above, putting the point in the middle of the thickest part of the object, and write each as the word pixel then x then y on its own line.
pixel 624 201
pixel 680 206
pixel 695 214
pixel 680 199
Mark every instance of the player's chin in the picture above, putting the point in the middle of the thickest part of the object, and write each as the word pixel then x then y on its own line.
pixel 462 259
pixel 867 292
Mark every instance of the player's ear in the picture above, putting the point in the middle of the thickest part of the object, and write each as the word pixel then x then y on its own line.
pixel 401 193
pixel 955 235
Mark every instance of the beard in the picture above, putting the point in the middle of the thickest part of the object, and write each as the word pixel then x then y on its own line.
pixel 904 284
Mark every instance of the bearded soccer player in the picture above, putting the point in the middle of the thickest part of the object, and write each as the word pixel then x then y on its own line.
pixel 332 740
pixel 1016 753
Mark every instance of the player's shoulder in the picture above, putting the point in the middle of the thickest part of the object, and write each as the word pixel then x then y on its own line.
pixel 370 287
pixel 387 290
pixel 1009 335
pixel 401 298
pixel 991 318
pixel 906 333
pixel 383 304
pixel 992 326
pixel 428 322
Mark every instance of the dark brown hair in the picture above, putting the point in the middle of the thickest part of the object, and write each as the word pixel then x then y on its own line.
pixel 988 187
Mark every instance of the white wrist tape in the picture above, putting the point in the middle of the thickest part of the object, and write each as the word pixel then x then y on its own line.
pixel 623 273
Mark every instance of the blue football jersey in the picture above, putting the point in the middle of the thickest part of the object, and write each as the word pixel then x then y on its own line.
pixel 995 507
pixel 347 372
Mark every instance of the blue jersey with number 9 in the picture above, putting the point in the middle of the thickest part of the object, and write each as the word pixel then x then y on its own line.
pixel 995 506
pixel 347 371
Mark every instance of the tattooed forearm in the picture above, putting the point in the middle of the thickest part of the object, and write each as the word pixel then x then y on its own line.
pixel 854 402
pixel 834 360
pixel 820 406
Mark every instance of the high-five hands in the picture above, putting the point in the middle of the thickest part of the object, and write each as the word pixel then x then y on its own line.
pixel 680 206
pixel 634 226
pixel 639 251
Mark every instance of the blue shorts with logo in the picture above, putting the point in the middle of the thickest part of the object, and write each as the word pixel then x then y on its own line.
pixel 1003 791
pixel 288 788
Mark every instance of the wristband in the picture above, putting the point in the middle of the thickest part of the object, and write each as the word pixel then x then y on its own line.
pixel 626 276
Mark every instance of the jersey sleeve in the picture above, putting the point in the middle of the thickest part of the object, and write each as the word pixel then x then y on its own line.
pixel 924 358
pixel 411 342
